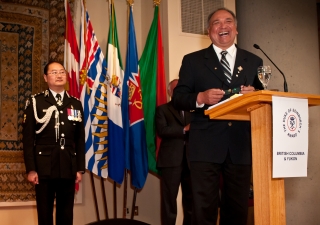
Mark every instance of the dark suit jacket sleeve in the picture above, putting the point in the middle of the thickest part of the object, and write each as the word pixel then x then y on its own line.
pixel 28 138
pixel 166 129
pixel 169 127
pixel 185 97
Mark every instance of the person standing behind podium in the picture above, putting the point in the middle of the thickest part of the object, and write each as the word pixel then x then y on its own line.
pixel 54 146
pixel 172 127
pixel 218 146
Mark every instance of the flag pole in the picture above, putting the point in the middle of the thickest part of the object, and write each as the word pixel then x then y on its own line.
pixel 114 200
pixel 94 196
pixel 66 55
pixel 104 197
pixel 125 190
pixel 133 202
pixel 114 183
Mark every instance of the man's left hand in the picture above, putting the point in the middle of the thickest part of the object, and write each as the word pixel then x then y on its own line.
pixel 79 177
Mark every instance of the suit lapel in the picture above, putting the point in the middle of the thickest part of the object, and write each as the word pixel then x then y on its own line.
pixel 66 100
pixel 212 62
pixel 50 98
pixel 238 76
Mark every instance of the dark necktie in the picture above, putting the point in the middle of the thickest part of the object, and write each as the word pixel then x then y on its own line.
pixel 58 97
pixel 225 66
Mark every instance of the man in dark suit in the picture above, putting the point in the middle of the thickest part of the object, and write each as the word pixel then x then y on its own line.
pixel 53 145
pixel 218 146
pixel 173 127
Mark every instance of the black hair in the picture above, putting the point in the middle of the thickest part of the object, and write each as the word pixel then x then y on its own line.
pixel 225 9
pixel 45 71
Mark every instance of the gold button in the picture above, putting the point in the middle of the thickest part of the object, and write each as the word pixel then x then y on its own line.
pixel 229 124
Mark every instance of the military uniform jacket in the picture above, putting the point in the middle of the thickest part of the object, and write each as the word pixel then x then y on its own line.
pixel 54 153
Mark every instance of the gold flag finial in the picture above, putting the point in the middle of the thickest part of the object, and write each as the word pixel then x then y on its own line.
pixel 130 2
pixel 156 2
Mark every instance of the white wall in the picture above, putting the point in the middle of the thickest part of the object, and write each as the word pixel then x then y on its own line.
pixel 288 32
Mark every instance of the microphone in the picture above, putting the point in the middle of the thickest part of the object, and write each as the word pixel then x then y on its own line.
pixel 285 86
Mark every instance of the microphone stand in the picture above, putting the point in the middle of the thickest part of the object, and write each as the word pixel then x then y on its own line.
pixel 285 85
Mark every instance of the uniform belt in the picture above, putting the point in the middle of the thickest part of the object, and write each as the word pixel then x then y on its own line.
pixel 50 141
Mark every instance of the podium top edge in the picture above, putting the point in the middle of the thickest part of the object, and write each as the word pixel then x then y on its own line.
pixel 262 96
pixel 284 94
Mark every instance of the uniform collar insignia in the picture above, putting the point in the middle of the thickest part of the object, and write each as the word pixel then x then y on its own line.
pixel 46 93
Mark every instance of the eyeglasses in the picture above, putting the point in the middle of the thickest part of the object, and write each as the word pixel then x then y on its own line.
pixel 55 73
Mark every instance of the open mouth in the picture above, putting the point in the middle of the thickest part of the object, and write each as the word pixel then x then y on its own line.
pixel 225 33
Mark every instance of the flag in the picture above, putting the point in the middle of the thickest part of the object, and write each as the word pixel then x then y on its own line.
pixel 71 58
pixel 153 84
pixel 116 161
pixel 136 155
pixel 93 86
pixel 71 54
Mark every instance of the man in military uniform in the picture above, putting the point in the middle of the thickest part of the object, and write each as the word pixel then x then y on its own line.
pixel 54 146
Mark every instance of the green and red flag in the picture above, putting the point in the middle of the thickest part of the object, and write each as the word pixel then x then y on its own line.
pixel 153 85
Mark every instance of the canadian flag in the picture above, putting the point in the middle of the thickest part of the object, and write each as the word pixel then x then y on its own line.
pixel 71 58
pixel 71 54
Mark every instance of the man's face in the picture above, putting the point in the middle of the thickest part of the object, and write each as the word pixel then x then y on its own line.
pixel 222 30
pixel 56 76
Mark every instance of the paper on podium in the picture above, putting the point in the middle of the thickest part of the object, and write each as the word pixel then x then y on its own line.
pixel 228 99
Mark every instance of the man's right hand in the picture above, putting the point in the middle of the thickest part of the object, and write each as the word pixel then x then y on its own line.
pixel 186 128
pixel 33 177
pixel 210 97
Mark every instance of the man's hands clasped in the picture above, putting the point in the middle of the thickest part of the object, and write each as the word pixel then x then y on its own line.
pixel 214 95
pixel 246 89
pixel 210 96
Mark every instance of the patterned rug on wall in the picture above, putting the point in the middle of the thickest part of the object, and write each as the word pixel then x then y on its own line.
pixel 31 34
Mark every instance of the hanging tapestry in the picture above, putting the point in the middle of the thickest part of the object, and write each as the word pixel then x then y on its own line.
pixel 31 34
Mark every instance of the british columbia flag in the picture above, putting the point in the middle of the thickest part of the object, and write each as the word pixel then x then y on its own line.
pixel 93 95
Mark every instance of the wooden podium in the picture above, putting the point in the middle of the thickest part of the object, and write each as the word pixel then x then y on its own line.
pixel 269 195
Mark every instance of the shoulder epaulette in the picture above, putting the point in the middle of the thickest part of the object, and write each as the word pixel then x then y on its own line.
pixel 75 98
pixel 70 96
pixel 38 94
